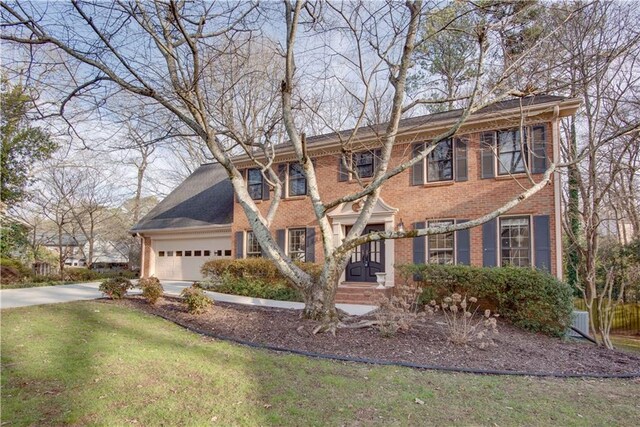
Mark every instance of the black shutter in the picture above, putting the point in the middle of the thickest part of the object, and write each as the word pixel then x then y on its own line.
pixel 280 237
pixel 376 159
pixel 539 149
pixel 461 159
pixel 542 242
pixel 239 244
pixel 487 144
pixel 343 173
pixel 417 170
pixel 310 245
pixel 419 245
pixel 282 171
pixel 489 243
pixel 265 187
pixel 463 243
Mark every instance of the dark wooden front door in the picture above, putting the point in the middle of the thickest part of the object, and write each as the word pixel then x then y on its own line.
pixel 366 260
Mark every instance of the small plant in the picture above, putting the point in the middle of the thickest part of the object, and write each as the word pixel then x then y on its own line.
pixel 399 313
pixel 115 288
pixel 151 289
pixel 197 302
pixel 462 324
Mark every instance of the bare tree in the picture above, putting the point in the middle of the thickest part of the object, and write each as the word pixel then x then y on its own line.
pixel 195 60
pixel 597 54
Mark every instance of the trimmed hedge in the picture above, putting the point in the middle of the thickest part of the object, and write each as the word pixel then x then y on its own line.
pixel 532 299
pixel 252 277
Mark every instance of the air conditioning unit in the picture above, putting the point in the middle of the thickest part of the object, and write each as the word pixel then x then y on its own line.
pixel 580 322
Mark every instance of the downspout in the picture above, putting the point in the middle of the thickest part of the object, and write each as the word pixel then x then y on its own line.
pixel 555 123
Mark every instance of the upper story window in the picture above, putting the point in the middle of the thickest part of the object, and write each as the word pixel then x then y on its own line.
pixel 364 164
pixel 440 162
pixel 254 183
pixel 297 244
pixel 512 152
pixel 446 162
pixel 441 247
pixel 253 247
pixel 297 180
pixel 515 241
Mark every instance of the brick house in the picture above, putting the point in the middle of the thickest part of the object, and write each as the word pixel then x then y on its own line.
pixel 467 176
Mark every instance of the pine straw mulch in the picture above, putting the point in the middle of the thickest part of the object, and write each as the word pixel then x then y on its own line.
pixel 426 343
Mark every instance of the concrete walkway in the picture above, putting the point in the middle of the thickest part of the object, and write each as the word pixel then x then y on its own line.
pixel 11 298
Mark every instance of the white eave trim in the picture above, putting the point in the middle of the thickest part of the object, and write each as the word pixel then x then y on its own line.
pixel 181 230
pixel 566 107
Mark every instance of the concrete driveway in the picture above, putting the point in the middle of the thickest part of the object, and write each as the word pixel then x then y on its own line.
pixel 11 298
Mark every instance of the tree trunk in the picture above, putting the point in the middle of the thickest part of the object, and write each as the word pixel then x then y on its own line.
pixel 319 300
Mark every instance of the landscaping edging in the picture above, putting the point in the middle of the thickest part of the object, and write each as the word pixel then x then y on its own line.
pixel 374 361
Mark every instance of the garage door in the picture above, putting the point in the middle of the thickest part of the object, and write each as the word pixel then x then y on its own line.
pixel 181 259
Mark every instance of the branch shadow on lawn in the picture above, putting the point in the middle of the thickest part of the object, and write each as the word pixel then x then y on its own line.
pixel 95 363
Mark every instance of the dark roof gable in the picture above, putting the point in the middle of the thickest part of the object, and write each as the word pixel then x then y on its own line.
pixel 204 198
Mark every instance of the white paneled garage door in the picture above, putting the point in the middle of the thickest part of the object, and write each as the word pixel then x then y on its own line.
pixel 181 259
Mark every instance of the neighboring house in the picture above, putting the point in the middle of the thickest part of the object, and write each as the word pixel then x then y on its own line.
pixel 465 177
pixel 71 248
pixel 109 255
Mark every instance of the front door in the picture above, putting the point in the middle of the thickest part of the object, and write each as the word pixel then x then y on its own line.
pixel 366 260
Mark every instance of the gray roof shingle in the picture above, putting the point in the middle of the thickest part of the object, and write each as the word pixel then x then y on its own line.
pixel 204 198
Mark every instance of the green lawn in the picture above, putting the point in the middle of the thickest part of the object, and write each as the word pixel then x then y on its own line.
pixel 93 363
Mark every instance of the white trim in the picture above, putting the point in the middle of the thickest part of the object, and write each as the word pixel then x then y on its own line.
pixel 555 131
pixel 212 227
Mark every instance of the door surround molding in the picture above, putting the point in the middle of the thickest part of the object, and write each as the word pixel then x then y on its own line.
pixel 344 215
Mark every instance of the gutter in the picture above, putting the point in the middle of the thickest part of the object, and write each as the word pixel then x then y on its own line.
pixel 213 227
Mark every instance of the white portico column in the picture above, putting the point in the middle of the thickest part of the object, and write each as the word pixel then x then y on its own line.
pixel 338 235
pixel 389 252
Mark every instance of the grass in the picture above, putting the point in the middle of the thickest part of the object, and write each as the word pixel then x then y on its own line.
pixel 90 363
pixel 626 343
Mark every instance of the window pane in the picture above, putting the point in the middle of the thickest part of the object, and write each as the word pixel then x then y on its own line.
pixel 297 244
pixel 207 253
pixel 253 247
pixel 297 180
pixel 441 246
pixel 364 164
pixel 161 253
pixel 515 241
pixel 440 162
pixel 254 184
pixel 511 153
pixel 197 253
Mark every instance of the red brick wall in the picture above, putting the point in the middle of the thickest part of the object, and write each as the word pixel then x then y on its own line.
pixel 146 257
pixel 450 200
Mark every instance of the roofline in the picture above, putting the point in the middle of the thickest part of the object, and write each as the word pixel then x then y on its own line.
pixel 567 107
pixel 212 227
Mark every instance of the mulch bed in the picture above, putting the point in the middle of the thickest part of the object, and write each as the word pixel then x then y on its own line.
pixel 426 343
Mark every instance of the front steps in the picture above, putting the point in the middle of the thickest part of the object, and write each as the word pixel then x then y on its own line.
pixel 361 293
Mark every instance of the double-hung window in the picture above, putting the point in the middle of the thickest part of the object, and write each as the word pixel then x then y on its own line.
pixel 297 244
pixel 440 162
pixel 253 247
pixel 297 180
pixel 254 183
pixel 512 152
pixel 364 163
pixel 515 241
pixel 441 247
